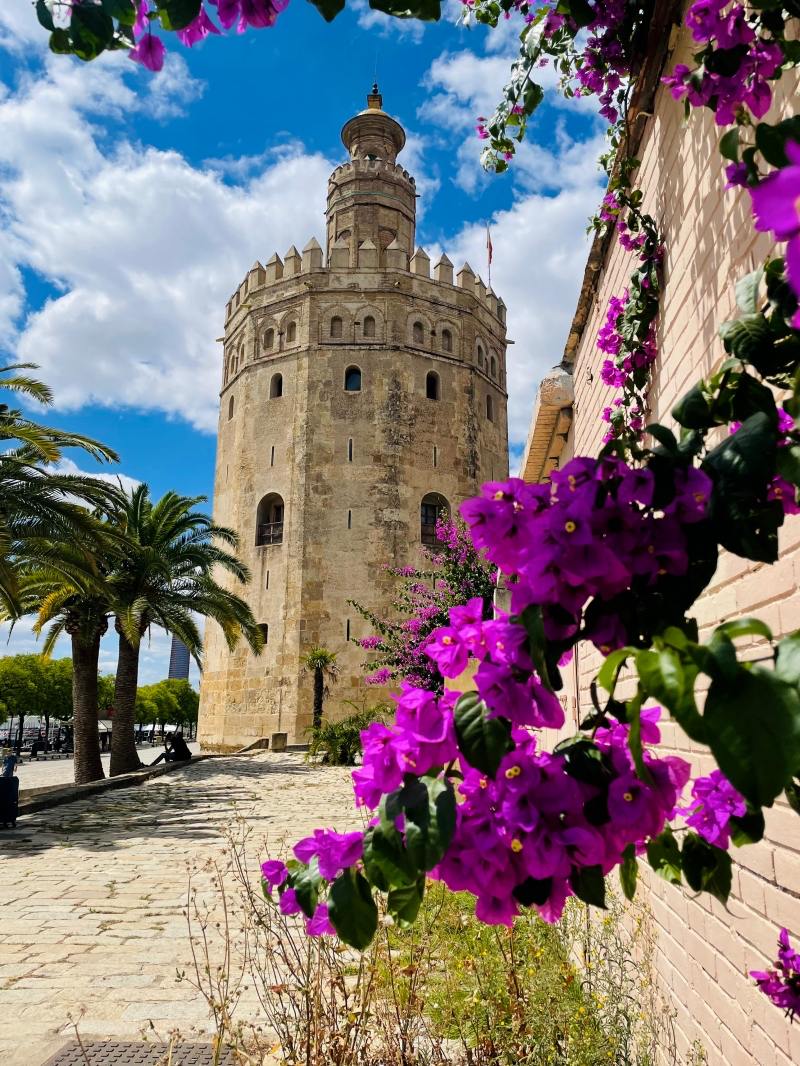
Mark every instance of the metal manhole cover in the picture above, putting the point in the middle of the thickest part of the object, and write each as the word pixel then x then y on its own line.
pixel 134 1053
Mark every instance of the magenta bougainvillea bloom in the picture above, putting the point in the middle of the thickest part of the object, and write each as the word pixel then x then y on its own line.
pixel 714 802
pixel 198 30
pixel 334 851
pixel 149 51
pixel 782 984
pixel 274 873
pixel 776 206
pixel 320 924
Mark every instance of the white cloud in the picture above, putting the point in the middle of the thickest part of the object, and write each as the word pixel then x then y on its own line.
pixel 112 476
pixel 387 25
pixel 143 248
pixel 540 248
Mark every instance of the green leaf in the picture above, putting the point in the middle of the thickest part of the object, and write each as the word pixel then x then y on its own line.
pixel 754 732
pixel 747 828
pixel 426 10
pixel 628 871
pixel 771 140
pixel 403 903
pixel 45 16
pixel 305 880
pixel 121 10
pixel 60 42
pixel 177 14
pixel 533 891
pixel 787 663
pixel 745 627
pixel 583 760
pixel 746 337
pixel 693 411
pixel 670 681
pixel 531 619
pixel 386 859
pixel 707 869
pixel 91 31
pixel 793 796
pixel 664 436
pixel 609 671
pixel 664 856
pixel 352 909
pixel 428 806
pixel 588 884
pixel 747 290
pixel 729 145
pixel 483 741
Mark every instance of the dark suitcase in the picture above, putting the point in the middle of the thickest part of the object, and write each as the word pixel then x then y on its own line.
pixel 9 800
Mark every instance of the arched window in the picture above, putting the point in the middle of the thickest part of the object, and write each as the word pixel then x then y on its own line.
pixel 480 357
pixel 494 367
pixel 269 520
pixel 230 408
pixel 264 627
pixel 352 379
pixel 291 333
pixel 276 387
pixel 369 326
pixel 490 408
pixel 418 333
pixel 447 340
pixel 433 507
pixel 269 339
pixel 432 385
pixel 336 326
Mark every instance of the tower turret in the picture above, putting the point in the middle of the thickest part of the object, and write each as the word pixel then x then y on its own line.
pixel 371 197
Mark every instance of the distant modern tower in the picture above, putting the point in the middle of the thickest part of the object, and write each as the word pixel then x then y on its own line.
pixel 360 397
pixel 178 660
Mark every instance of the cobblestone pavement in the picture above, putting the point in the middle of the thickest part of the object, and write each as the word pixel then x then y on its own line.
pixel 91 896
pixel 38 773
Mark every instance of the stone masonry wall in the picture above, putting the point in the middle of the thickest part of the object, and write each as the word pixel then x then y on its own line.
pixel 704 951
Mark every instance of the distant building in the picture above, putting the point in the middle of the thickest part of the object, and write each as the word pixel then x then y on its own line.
pixel 179 660
pixel 363 394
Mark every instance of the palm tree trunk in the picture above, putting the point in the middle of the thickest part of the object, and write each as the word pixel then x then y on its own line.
pixel 124 756
pixel 319 687
pixel 85 656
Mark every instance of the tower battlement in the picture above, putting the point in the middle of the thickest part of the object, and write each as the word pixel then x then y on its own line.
pixel 363 394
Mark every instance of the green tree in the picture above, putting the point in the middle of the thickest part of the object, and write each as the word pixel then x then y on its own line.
pixel 322 664
pixel 39 509
pixel 162 575
pixel 23 688
pixel 188 701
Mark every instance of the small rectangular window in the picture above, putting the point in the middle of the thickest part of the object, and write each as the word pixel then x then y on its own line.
pixel 350 450
pixel 349 519
pixel 266 581
pixel 435 455
pixel 347 630
pixel 272 456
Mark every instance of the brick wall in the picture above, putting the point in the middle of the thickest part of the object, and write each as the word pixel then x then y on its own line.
pixel 704 951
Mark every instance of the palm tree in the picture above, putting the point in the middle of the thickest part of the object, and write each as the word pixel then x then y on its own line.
pixel 322 664
pixel 163 576
pixel 39 508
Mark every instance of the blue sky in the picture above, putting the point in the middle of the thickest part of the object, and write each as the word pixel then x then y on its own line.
pixel 131 206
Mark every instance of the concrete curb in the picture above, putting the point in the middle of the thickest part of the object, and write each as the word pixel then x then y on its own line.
pixel 57 795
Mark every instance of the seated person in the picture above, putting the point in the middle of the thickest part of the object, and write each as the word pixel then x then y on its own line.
pixel 180 749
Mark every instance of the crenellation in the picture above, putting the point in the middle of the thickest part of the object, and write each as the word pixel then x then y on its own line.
pixel 421 263
pixel 465 278
pixel 312 256
pixel 292 262
pixel 327 360
pixel 443 270
pixel 274 268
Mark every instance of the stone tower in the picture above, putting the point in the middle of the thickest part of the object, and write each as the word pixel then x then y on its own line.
pixel 360 395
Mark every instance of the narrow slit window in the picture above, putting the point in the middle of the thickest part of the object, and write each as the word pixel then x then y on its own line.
pixel 276 387
pixel 266 581
pixel 269 339
pixel 350 450
pixel 418 333
pixel 230 408
pixel 272 456
pixel 447 340
pixel 347 630
pixel 490 408
pixel 264 627
pixel 432 385
pixel 349 519
pixel 435 455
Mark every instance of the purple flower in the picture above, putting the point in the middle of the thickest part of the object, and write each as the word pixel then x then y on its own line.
pixel 714 802
pixel 776 206
pixel 288 902
pixel 782 984
pixel 320 924
pixel 197 30
pixel 334 851
pixel 149 52
pixel 274 873
pixel 447 651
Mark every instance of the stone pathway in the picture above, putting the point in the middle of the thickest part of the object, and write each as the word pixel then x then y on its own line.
pixel 62 771
pixel 92 896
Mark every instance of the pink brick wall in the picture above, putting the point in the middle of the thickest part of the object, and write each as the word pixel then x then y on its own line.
pixel 704 951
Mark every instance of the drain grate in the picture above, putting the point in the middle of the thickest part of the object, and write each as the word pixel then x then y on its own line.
pixel 134 1053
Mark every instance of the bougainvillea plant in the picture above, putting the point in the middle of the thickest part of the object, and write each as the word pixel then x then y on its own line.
pixel 456 572
pixel 615 550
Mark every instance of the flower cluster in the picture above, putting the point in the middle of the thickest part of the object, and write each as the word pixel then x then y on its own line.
pixel 782 984
pixel 776 207
pixel 631 363
pixel 714 802
pixel 244 14
pixel 735 66
pixel 603 63
pixel 526 836
pixel 591 534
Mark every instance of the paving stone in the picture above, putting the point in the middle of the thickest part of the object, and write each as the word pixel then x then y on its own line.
pixel 92 897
